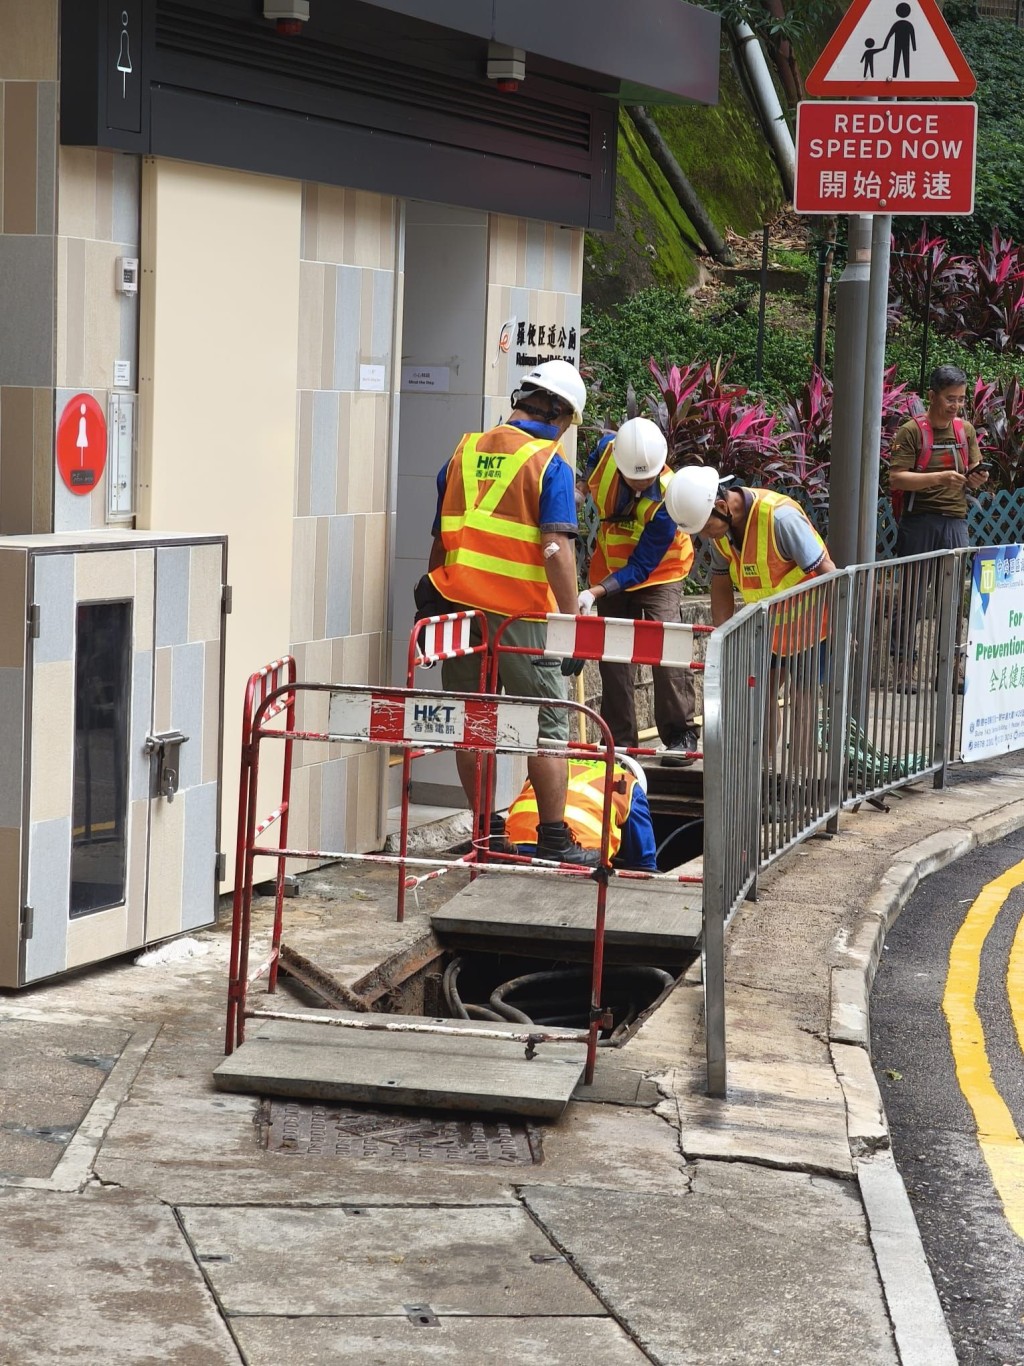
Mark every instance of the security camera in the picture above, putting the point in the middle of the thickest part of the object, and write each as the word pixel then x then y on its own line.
pixel 288 15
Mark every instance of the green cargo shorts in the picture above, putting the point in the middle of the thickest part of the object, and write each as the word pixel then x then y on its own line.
pixel 519 675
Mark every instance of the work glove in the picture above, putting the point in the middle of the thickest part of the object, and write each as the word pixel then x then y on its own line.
pixel 572 668
pixel 587 603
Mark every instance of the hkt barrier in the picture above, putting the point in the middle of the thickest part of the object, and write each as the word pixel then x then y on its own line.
pixel 860 699
pixel 393 717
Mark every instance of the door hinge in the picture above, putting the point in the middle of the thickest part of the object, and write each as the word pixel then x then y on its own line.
pixel 33 621
pixel 28 917
pixel 220 868
pixel 225 599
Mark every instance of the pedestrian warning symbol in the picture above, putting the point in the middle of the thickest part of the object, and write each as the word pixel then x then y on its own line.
pixel 891 48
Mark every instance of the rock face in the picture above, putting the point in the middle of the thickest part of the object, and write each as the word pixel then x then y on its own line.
pixel 723 154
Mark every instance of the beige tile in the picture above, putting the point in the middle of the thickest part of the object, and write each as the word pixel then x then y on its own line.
pixel 310 200
pixel 331 236
pixel 74 332
pixel 374 559
pixel 204 603
pixel 357 442
pixel 386 230
pixel 162 688
pixel 314 808
pixel 375 658
pixel 29 48
pixel 76 192
pixel 356 661
pixel 366 243
pixel 311 324
pixel 145 571
pixel 94 937
pixel 19 156
pixel 166 858
pixel 303 578
pixel 303 452
pixel 102 314
pixel 138 848
pixel 13 606
pixel 17 450
pixel 10 904
pixel 358 575
pixel 104 574
pixel 52 740
pixel 366 355
pixel 211 711
pixel 104 196
pixel 43 463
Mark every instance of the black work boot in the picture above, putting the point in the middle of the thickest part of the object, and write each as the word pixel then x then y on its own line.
pixel 556 844
pixel 681 752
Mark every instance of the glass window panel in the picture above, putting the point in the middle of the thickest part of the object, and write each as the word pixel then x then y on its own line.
pixel 102 712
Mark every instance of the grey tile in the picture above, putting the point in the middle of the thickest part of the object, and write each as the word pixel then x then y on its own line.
pixel 49 891
pixel 142 719
pixel 188 667
pixel 172 576
pixel 383 316
pixel 561 263
pixel 26 319
pixel 127 345
pixel 333 805
pixel 323 485
pixel 535 255
pixel 54 594
pixel 198 904
pixel 346 328
pixel 71 512
pixel 46 156
pixel 126 199
pixel 339 577
pixel 12 735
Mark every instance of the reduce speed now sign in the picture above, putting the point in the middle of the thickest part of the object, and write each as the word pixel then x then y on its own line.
pixel 913 157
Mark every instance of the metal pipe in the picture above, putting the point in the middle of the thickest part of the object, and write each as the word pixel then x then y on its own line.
pixel 763 88
pixel 383 1024
pixel 874 372
pixel 848 353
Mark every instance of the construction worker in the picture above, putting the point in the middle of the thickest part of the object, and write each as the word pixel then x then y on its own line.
pixel 639 562
pixel 631 842
pixel 504 543
pixel 763 543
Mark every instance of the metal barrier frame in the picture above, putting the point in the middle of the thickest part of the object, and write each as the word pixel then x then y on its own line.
pixel 281 701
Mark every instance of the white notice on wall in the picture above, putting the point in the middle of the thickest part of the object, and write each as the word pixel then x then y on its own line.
pixel 435 378
pixel 371 377
pixel 122 374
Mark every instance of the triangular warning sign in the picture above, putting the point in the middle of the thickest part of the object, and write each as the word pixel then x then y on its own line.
pixel 892 48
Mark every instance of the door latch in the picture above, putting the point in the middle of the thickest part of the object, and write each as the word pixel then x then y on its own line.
pixel 165 748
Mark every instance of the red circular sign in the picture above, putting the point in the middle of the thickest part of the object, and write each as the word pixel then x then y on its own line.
pixel 81 443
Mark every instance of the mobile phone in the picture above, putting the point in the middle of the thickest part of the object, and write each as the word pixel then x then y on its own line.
pixel 981 465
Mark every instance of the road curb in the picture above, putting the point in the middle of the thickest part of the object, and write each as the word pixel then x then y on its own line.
pixel 919 1325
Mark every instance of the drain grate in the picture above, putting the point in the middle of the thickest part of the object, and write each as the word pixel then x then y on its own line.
pixel 295 1126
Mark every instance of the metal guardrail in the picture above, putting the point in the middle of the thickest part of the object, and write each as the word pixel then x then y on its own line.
pixel 816 700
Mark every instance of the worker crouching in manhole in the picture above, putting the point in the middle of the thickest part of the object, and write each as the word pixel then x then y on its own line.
pixel 631 841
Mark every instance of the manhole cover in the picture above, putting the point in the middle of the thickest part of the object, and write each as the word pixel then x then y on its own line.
pixel 295 1126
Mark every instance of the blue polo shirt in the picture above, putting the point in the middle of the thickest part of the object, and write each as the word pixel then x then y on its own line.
pixel 656 536
pixel 557 490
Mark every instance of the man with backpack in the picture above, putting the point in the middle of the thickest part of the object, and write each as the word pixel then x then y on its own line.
pixel 934 461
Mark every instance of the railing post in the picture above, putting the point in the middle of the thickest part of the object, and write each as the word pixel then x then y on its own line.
pixel 715 855
pixel 838 695
pixel 950 588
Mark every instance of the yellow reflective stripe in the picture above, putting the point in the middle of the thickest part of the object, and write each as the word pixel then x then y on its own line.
pixel 479 520
pixel 492 564
pixel 509 468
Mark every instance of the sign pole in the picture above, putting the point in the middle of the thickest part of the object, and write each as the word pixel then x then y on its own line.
pixel 849 351
pixel 874 380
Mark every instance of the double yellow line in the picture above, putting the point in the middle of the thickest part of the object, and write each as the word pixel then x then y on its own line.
pixel 1000 1143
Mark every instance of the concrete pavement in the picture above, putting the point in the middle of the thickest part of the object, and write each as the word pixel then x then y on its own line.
pixel 146 1217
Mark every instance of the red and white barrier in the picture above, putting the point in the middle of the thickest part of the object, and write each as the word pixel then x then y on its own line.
pixel 620 640
pixel 444 637
pixel 439 719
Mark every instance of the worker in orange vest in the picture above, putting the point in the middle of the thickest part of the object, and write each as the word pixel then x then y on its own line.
pixel 631 842
pixel 504 543
pixel 636 571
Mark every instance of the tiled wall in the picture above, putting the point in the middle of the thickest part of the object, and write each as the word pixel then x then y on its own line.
pixel 345 435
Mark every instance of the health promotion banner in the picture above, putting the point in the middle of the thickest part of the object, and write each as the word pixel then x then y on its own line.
pixel 993 710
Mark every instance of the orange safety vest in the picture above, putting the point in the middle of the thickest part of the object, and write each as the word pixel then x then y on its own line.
pixel 584 806
pixel 616 540
pixel 494 559
pixel 759 571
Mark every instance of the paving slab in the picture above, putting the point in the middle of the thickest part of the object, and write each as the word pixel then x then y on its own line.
pixel 377 1261
pixel 458 1341
pixel 440 1071
pixel 753 1265
pixel 95 1279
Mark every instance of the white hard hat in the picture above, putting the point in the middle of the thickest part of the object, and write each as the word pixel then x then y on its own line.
pixel 690 496
pixel 627 761
pixel 640 449
pixel 563 380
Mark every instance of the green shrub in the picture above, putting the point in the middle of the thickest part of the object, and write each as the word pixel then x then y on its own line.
pixel 903 350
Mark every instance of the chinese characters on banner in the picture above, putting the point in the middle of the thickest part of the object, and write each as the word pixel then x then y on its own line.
pixel 538 342
pixel 993 707
pixel 907 158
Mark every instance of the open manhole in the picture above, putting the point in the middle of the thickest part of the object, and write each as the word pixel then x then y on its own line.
pixel 314 1129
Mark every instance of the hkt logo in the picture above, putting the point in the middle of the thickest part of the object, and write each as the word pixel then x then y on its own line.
pixel 436 714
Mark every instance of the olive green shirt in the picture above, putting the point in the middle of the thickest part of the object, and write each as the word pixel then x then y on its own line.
pixel 906 447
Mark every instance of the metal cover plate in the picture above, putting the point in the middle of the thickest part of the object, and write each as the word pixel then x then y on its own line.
pixel 419 1071
pixel 295 1126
